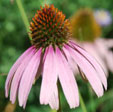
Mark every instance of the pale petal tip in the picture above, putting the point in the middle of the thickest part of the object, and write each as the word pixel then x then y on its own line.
pixel 20 103
pixel 6 95
pixel 6 91
pixel 100 94
pixel 54 108
pixel 105 86
pixel 12 101
pixel 74 106
pixel 43 102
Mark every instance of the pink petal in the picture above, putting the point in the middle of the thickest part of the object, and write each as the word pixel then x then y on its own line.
pixel 87 68
pixel 49 77
pixel 102 50
pixel 100 45
pixel 72 64
pixel 109 60
pixel 14 68
pixel 104 46
pixel 108 43
pixel 18 75
pixel 100 73
pixel 91 49
pixel 54 100
pixel 67 80
pixel 28 78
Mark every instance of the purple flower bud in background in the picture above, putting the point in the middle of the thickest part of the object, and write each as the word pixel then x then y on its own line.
pixel 103 17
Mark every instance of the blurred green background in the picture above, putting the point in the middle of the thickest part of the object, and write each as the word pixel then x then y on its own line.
pixel 14 40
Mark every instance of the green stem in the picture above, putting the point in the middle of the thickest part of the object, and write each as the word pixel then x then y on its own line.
pixel 24 17
pixel 58 85
pixel 59 110
pixel 82 103
pixel 91 98
pixel 98 101
pixel 108 95
pixel 81 99
pixel 80 35
pixel 53 111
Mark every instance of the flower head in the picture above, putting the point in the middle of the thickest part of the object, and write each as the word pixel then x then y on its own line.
pixel 52 56
pixel 84 25
pixel 103 17
pixel 49 27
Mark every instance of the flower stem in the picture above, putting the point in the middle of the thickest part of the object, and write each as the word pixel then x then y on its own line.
pixel 81 99
pixel 91 98
pixel 24 16
pixel 53 111
pixel 59 110
pixel 80 34
pixel 82 103
pixel 58 85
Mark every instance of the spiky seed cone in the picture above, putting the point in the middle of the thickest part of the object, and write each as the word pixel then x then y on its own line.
pixel 49 26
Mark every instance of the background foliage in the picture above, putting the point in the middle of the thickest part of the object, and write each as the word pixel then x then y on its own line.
pixel 14 40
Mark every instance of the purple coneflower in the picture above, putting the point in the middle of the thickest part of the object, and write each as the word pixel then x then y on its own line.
pixel 85 26
pixel 52 55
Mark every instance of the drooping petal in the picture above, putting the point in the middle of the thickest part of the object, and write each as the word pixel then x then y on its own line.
pixel 54 99
pixel 49 77
pixel 87 68
pixel 72 64
pixel 100 45
pixel 103 47
pixel 100 73
pixel 108 43
pixel 109 60
pixel 28 78
pixel 67 80
pixel 91 49
pixel 14 68
pixel 18 75
pixel 109 53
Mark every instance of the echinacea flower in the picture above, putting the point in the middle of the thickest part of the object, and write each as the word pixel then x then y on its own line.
pixel 52 55
pixel 103 17
pixel 91 41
